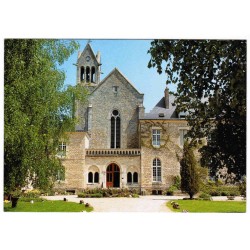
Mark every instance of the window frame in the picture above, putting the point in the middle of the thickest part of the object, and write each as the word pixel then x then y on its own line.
pixel 156 137
pixel 156 170
pixel 115 129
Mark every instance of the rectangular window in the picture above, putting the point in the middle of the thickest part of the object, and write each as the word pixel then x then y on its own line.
pixel 156 137
pixel 157 174
pixel 60 175
pixel 183 132
pixel 62 149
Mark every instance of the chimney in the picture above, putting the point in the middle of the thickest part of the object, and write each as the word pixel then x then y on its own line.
pixel 166 92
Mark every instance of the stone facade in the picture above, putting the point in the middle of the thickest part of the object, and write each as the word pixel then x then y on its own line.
pixel 114 144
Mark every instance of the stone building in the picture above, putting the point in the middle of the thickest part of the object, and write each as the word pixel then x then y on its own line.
pixel 116 144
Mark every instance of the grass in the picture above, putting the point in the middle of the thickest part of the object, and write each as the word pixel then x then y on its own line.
pixel 201 206
pixel 47 206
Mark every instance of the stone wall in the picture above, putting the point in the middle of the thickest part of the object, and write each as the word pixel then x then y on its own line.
pixel 102 102
pixel 125 163
pixel 73 162
pixel 168 152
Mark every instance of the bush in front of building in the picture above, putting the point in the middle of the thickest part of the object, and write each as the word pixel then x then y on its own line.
pixel 107 192
pixel 220 190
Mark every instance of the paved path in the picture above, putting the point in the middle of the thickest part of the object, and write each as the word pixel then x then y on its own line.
pixel 143 204
pixel 151 203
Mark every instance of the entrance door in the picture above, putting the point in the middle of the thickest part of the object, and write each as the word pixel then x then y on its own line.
pixel 113 176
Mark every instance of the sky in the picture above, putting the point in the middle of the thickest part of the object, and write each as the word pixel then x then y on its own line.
pixel 131 58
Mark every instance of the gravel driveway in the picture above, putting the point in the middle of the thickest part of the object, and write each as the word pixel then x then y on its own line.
pixel 143 204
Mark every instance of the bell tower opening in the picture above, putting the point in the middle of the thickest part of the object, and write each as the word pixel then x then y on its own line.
pixel 88 66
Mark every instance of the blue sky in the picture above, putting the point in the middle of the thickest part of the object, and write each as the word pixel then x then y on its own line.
pixel 131 58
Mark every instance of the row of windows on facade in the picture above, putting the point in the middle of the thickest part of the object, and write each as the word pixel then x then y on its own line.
pixel 116 130
pixel 131 177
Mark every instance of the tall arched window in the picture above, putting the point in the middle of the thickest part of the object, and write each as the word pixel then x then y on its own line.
pixel 135 177
pixel 87 74
pixel 129 177
pixel 115 129
pixel 156 169
pixel 96 177
pixel 82 73
pixel 93 74
pixel 90 177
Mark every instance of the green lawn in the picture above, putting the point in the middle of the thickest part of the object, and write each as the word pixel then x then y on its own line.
pixel 201 206
pixel 47 206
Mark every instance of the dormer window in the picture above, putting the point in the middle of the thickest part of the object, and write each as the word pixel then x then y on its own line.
pixel 161 115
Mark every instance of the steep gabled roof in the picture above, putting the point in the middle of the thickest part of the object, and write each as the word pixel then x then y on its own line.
pixel 88 47
pixel 116 71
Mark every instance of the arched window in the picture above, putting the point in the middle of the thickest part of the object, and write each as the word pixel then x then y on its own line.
pixel 90 177
pixel 93 74
pixel 96 177
pixel 115 129
pixel 156 169
pixel 87 74
pixel 135 177
pixel 129 177
pixel 82 73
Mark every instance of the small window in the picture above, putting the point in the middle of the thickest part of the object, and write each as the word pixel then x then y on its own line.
pixel 62 149
pixel 161 115
pixel 60 175
pixel 156 134
pixel 115 89
pixel 135 177
pixel 96 177
pixel 129 177
pixel 90 177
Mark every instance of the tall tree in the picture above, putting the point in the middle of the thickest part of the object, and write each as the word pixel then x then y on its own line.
pixel 37 109
pixel 190 181
pixel 211 85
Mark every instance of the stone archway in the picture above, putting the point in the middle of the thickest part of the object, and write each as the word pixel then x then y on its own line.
pixel 113 176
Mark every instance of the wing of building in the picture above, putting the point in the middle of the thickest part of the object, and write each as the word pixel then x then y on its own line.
pixel 116 144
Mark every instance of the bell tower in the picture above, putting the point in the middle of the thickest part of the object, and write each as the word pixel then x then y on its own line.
pixel 88 67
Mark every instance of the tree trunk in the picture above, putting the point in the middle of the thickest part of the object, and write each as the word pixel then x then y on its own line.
pixel 14 201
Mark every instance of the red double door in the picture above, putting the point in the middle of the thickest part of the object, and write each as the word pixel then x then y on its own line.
pixel 113 176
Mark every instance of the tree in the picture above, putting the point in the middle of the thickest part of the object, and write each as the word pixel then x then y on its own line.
pixel 189 171
pixel 211 87
pixel 38 110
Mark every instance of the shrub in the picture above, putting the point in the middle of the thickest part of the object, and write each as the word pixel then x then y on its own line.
pixel 28 199
pixel 35 193
pixel 242 187
pixel 205 196
pixel 170 190
pixel 177 182
pixel 116 192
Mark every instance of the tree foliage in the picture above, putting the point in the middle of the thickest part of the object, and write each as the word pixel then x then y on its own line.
pixel 211 85
pixel 190 180
pixel 37 109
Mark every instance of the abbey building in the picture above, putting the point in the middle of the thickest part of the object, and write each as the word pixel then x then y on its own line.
pixel 116 144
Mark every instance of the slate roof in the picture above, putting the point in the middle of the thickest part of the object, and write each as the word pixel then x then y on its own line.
pixel 160 108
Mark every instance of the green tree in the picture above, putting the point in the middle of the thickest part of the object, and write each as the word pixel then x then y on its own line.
pixel 211 85
pixel 190 181
pixel 37 109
